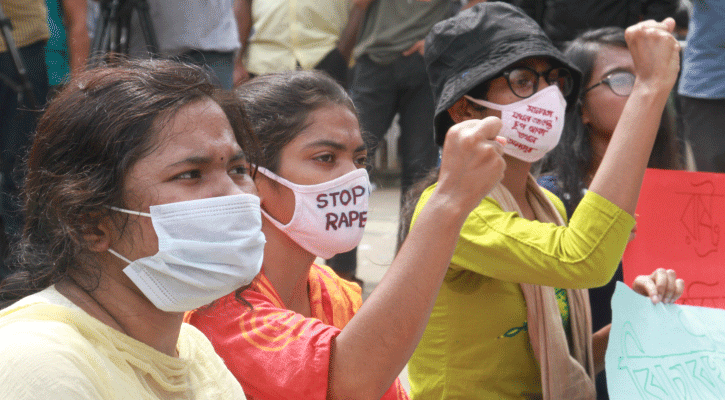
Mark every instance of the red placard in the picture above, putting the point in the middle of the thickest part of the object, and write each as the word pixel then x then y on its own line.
pixel 680 226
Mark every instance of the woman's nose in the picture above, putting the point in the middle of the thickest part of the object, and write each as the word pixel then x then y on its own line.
pixel 543 84
pixel 228 185
pixel 347 167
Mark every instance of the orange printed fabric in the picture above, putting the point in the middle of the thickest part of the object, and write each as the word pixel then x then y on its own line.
pixel 276 353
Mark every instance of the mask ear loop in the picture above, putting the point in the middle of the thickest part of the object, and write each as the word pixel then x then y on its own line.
pixel 143 214
pixel 115 253
pixel 284 182
pixel 139 213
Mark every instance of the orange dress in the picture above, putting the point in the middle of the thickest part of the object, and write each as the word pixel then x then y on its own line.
pixel 276 353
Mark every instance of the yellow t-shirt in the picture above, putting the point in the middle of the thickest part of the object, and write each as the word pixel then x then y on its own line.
pixel 476 344
pixel 51 349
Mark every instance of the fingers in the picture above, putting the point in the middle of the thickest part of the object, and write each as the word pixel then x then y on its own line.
pixel 660 278
pixel 418 46
pixel 474 138
pixel 651 33
pixel 655 52
pixel 472 161
pixel 671 286
pixel 487 127
pixel 662 285
pixel 645 286
pixel 679 289
pixel 668 24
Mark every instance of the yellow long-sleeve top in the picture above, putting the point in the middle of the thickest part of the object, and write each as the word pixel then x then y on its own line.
pixel 476 344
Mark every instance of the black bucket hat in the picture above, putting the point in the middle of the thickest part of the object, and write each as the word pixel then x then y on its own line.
pixel 475 46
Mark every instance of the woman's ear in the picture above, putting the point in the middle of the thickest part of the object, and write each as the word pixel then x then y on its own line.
pixel 584 111
pixel 462 110
pixel 267 189
pixel 275 198
pixel 98 238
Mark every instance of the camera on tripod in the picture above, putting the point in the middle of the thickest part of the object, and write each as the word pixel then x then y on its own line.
pixel 114 28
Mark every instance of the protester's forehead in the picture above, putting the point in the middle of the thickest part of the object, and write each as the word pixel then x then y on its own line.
pixel 186 118
pixel 193 128
pixel 537 62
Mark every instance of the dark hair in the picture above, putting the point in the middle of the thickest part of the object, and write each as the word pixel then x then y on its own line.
pixel 409 201
pixel 682 14
pixel 278 106
pixel 570 161
pixel 92 133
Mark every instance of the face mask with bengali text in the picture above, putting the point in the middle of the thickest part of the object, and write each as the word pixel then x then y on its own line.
pixel 533 125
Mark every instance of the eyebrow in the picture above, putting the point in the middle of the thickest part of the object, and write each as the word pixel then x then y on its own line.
pixel 334 145
pixel 200 160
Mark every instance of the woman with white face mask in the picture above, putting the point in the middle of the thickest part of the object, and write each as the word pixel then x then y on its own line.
pixel 307 336
pixel 511 320
pixel 138 207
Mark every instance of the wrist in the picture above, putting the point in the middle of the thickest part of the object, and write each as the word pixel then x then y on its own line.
pixel 652 86
pixel 448 208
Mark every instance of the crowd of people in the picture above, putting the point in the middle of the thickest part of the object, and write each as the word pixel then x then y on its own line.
pixel 165 210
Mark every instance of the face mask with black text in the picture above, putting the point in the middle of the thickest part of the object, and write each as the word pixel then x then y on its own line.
pixel 532 126
pixel 330 217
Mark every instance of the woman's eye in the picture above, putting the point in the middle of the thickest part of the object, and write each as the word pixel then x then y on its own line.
pixel 194 174
pixel 325 158
pixel 523 83
pixel 241 170
pixel 362 160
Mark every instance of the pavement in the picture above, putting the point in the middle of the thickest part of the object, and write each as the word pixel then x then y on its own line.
pixel 377 248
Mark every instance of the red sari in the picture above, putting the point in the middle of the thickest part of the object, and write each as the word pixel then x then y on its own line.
pixel 276 353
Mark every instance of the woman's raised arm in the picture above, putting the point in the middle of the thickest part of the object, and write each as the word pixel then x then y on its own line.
pixel 376 344
pixel 656 56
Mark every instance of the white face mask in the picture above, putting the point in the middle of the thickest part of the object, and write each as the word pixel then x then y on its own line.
pixel 329 217
pixel 208 248
pixel 533 126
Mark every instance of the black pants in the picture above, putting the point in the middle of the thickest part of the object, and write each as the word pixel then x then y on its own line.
pixel 335 65
pixel 401 87
pixel 702 120
pixel 17 123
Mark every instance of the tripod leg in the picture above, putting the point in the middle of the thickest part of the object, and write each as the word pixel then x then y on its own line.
pixel 147 27
pixel 106 38
pixel 100 39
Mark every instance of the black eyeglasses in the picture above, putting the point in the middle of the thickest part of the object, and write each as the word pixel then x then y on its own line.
pixel 524 81
pixel 620 82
